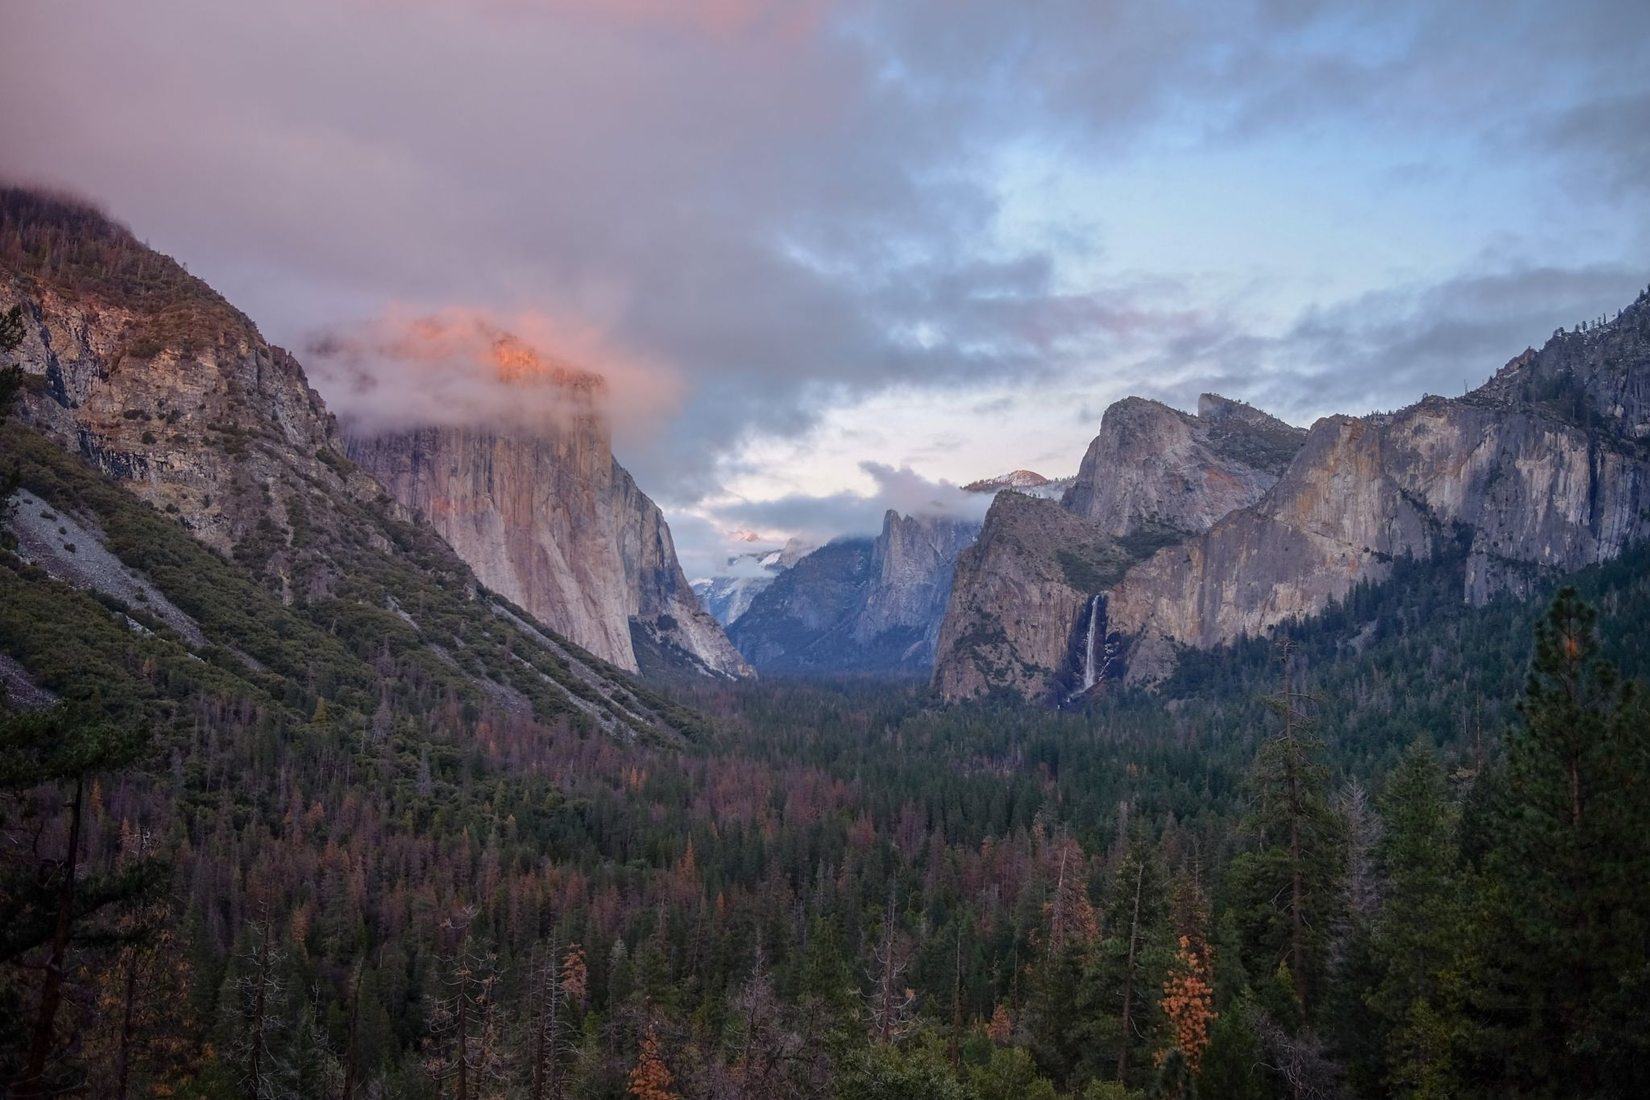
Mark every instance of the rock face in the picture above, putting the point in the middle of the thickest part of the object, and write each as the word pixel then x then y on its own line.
pixel 1541 471
pixel 163 385
pixel 869 606
pixel 911 566
pixel 550 521
pixel 152 378
pixel 1157 469
pixel 1018 599
pixel 1154 476
pixel 1235 522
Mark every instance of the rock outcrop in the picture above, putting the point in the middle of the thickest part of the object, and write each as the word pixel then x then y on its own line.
pixel 859 605
pixel 158 382
pixel 1541 471
pixel 550 521
pixel 1018 599
pixel 1154 476
pixel 1157 470
pixel 154 379
pixel 1236 522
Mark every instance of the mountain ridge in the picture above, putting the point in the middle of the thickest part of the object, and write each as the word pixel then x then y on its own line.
pixel 1541 470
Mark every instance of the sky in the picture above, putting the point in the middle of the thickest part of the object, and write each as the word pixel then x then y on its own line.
pixel 834 257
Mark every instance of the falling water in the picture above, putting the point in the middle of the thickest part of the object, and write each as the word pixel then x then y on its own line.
pixel 1090 672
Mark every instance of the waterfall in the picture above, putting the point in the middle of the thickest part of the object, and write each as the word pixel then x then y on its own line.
pixel 1090 672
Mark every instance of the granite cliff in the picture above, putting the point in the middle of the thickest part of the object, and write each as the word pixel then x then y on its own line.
pixel 1019 614
pixel 1541 471
pixel 1231 522
pixel 550 521
pixel 1153 468
pixel 153 379
pixel 858 605
pixel 1018 599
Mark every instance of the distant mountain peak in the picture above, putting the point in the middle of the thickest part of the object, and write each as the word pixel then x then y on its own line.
pixel 1014 479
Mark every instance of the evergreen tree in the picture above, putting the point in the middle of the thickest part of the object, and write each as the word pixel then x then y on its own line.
pixel 1567 935
pixel 44 912
pixel 1419 936
pixel 1288 882
pixel 1128 968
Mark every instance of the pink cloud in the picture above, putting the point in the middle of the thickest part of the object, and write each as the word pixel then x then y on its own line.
pixel 468 366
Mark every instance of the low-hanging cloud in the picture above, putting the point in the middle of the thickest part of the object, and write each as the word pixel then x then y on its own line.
pixel 468 368
pixel 780 207
pixel 819 518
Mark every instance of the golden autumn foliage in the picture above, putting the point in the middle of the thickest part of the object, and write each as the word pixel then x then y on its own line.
pixel 651 1079
pixel 575 974
pixel 1001 1028
pixel 1188 1003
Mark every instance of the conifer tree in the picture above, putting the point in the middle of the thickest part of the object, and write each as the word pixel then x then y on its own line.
pixel 1289 880
pixel 1567 939
pixel 65 745
pixel 1419 934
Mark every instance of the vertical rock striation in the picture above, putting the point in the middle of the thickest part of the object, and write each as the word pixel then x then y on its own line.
pixel 550 521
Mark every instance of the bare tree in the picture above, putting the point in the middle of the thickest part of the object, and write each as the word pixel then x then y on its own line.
pixel 549 1013
pixel 890 1004
pixel 465 1047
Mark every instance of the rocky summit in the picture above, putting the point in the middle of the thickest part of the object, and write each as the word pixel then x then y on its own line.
pixel 1200 530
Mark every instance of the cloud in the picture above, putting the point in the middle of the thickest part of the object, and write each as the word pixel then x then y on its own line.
pixel 820 518
pixel 1385 349
pixel 465 367
pixel 765 210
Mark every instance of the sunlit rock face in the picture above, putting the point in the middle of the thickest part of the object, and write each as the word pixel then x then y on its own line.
pixel 191 409
pixel 550 521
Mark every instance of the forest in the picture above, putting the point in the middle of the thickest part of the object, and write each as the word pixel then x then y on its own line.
pixel 1402 849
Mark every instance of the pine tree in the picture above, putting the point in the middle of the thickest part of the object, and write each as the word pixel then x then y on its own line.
pixel 1567 939
pixel 650 1078
pixel 1289 881
pixel 63 745
pixel 1129 965
pixel 1419 935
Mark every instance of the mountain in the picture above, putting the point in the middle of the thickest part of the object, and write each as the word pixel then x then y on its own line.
pixel 729 595
pixel 1019 613
pixel 1028 482
pixel 1157 469
pixel 1231 522
pixel 1539 472
pixel 306 572
pixel 858 605
pixel 1018 599
pixel 548 519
